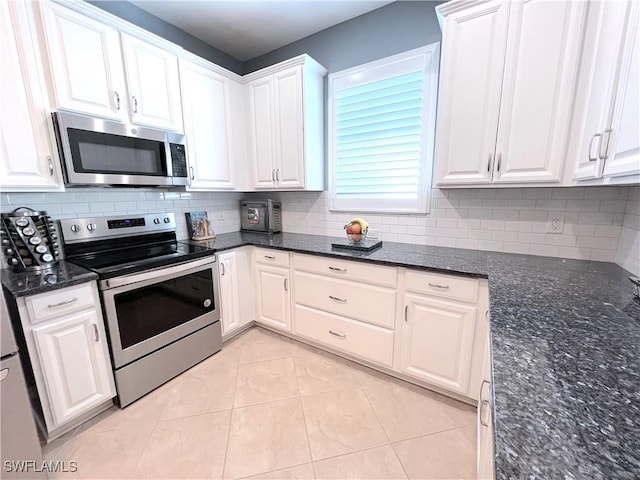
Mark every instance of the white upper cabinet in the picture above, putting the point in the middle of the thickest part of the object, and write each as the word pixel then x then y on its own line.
pixel 605 133
pixel 286 125
pixel 86 64
pixel 473 46
pixel 99 71
pixel 153 84
pixel 208 100
pixel 27 161
pixel 506 91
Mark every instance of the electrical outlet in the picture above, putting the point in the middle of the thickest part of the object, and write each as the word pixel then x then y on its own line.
pixel 220 215
pixel 555 224
pixel 373 234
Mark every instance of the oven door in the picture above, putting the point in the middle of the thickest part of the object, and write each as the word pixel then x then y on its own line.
pixel 149 310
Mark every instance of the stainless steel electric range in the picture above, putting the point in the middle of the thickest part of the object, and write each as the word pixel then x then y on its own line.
pixel 159 296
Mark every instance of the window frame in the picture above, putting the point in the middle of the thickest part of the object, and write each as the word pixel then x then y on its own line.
pixel 430 55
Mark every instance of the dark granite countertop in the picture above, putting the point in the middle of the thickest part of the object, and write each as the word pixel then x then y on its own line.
pixel 565 339
pixel 61 275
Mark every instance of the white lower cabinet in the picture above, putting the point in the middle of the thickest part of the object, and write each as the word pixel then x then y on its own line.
pixel 437 341
pixel 273 296
pixel 67 347
pixel 72 358
pixel 486 468
pixel 234 270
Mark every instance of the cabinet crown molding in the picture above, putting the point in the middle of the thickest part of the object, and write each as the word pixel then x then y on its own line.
pixel 305 60
pixel 448 8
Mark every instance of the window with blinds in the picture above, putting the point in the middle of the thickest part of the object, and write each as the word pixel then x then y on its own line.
pixel 381 129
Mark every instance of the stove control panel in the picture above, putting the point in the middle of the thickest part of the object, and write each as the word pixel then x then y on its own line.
pixel 100 228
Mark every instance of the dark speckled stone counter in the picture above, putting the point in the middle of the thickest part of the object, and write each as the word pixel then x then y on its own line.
pixel 61 275
pixel 565 337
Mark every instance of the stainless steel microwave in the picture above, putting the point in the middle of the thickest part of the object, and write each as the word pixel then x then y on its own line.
pixel 261 216
pixel 95 151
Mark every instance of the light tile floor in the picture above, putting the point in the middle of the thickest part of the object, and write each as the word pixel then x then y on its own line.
pixel 267 406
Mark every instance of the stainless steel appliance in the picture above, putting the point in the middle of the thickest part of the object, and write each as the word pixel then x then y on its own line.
pixel 261 216
pixel 29 239
pixel 95 151
pixel 159 296
pixel 19 438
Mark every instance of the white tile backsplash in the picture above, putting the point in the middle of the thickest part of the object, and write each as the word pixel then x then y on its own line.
pixel 601 223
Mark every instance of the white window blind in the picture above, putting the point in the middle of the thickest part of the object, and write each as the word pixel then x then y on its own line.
pixel 381 129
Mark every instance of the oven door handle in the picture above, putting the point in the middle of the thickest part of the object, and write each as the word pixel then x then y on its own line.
pixel 155 273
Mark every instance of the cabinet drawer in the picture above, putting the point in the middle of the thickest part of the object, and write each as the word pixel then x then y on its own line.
pixel 375 274
pixel 369 303
pixel 272 257
pixel 60 302
pixel 356 338
pixel 449 286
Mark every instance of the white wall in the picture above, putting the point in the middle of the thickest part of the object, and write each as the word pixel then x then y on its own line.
pixel 601 223
pixel 90 202
pixel 506 220
pixel 629 246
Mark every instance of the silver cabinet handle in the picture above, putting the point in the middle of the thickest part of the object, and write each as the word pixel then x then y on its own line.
pixel 486 315
pixel 116 99
pixel 489 163
pixel 499 161
pixel 277 174
pixel 286 284
pixel 3 374
pixel 134 100
pixel 96 333
pixel 336 269
pixel 441 287
pixel 593 158
pixel 338 299
pixel 273 174
pixel 604 143
pixel 484 403
pixel 341 335
pixel 193 175
pixel 269 257
pixel 62 304
pixel 406 312
pixel 50 162
pixel 222 268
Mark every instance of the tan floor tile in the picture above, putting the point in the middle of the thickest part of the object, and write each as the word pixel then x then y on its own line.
pixel 300 472
pixel 267 381
pixel 260 345
pixel 407 411
pixel 201 392
pixel 192 447
pixel 462 413
pixel 377 463
pixel 226 358
pixel 110 454
pixel 318 374
pixel 365 375
pixel 266 437
pixel 442 455
pixel 341 422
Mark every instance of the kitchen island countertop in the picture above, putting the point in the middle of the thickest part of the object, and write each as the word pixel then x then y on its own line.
pixel 565 338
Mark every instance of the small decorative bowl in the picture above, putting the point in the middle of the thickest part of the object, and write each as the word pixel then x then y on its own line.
pixel 357 237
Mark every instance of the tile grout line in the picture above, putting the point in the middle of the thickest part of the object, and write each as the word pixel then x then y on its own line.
pixel 235 387
pixel 304 417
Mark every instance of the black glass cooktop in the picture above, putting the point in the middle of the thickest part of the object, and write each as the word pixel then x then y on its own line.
pixel 112 263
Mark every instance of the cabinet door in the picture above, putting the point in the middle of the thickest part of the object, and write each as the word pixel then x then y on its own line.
pixel 262 128
pixel 485 465
pixel 75 363
pixel 538 90
pixel 273 297
pixel 624 148
pixel 289 140
pixel 437 341
pixel 229 291
pixel 153 84
pixel 473 47
pixel 86 63
pixel 26 160
pixel 206 109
